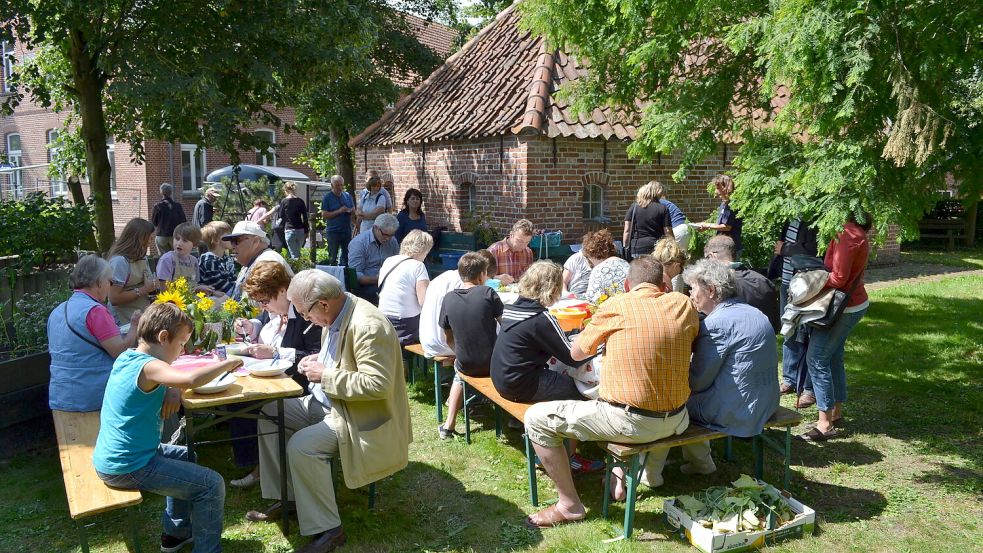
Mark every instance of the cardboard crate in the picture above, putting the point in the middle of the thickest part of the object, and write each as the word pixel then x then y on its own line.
pixel 706 540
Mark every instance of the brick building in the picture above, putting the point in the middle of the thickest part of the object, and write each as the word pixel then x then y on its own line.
pixel 27 132
pixel 486 132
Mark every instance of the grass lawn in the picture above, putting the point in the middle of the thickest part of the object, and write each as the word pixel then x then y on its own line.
pixel 908 476
pixel 970 258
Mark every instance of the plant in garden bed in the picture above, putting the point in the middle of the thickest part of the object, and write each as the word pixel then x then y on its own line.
pixel 479 223
pixel 25 333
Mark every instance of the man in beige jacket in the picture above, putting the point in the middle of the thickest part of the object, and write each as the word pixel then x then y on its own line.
pixel 359 413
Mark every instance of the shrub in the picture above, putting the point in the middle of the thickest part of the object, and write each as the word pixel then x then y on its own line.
pixel 43 231
pixel 30 321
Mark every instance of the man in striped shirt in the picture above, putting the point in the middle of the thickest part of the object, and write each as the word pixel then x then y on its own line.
pixel 648 336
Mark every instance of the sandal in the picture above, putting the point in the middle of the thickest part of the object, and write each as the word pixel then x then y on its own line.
pixel 550 517
pixel 816 435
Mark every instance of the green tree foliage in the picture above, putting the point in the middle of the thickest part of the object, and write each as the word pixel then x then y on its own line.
pixel 43 231
pixel 838 106
pixel 200 72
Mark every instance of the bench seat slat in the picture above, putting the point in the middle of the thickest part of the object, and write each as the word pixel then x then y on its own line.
pixel 417 349
pixel 484 386
pixel 87 494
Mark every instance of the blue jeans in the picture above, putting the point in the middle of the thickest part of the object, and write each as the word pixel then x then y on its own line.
pixel 295 241
pixel 338 240
pixel 195 495
pixel 824 357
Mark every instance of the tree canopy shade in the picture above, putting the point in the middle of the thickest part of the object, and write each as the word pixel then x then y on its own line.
pixel 201 72
pixel 838 106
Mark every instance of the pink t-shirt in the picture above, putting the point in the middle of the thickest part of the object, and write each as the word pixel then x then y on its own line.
pixel 100 322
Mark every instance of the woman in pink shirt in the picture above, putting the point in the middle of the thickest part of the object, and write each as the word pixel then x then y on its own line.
pixel 846 260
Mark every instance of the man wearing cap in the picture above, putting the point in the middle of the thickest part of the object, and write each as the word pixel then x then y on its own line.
pixel 205 208
pixel 251 245
pixel 368 250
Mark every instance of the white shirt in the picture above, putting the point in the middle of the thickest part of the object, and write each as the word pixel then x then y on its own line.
pixel 431 335
pixel 580 270
pixel 397 298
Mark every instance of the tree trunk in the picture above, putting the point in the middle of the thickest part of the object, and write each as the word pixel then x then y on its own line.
pixel 344 157
pixel 75 188
pixel 89 83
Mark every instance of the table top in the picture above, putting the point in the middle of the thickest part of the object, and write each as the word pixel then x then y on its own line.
pixel 246 388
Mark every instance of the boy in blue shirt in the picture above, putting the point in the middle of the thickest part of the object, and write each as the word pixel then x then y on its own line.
pixel 128 452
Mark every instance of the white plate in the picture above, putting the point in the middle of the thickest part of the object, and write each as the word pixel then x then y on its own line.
pixel 567 302
pixel 268 368
pixel 236 349
pixel 218 385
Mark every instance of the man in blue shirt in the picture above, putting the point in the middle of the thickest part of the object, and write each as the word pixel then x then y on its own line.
pixel 368 250
pixel 336 208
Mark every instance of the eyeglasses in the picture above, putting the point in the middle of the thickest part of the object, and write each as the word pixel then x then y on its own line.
pixel 306 314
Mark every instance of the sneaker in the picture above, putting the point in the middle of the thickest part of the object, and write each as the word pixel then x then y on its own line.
pixel 583 465
pixel 690 468
pixel 246 481
pixel 446 434
pixel 170 544
pixel 786 388
pixel 807 399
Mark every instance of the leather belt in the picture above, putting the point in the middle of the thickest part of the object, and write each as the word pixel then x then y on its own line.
pixel 645 412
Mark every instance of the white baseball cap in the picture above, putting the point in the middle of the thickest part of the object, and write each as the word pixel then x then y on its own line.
pixel 244 228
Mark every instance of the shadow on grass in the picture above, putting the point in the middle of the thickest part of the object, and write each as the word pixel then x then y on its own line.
pixel 837 451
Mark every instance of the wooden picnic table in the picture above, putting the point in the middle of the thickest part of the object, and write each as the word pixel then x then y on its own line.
pixel 244 399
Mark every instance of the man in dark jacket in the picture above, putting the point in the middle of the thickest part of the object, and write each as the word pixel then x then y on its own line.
pixel 205 208
pixel 166 215
pixel 752 287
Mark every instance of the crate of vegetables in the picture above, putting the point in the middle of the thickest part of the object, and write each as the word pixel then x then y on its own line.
pixel 748 514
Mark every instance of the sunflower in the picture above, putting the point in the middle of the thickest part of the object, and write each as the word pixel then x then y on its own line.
pixel 230 306
pixel 205 303
pixel 200 295
pixel 181 285
pixel 170 296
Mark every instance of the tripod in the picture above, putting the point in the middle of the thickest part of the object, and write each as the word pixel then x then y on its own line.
pixel 241 214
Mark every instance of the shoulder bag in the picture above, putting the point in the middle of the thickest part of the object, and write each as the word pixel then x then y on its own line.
pixel 383 281
pixel 836 306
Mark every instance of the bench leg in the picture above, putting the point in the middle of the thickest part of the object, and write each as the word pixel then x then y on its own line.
pixel 632 476
pixel 281 435
pixel 759 456
pixel 498 421
pixel 531 469
pixel 83 537
pixel 372 496
pixel 788 457
pixel 729 449
pixel 608 466
pixel 437 393
pixel 134 533
pixel 467 413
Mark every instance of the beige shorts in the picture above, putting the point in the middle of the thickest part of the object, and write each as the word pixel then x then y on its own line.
pixel 550 422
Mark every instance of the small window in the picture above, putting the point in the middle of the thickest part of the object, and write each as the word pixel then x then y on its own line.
pixel 7 61
pixel 15 186
pixel 111 154
pixel 593 201
pixel 266 156
pixel 192 167
pixel 58 186
pixel 472 197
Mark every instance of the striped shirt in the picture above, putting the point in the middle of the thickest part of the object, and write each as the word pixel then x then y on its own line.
pixel 510 262
pixel 217 272
pixel 791 234
pixel 649 336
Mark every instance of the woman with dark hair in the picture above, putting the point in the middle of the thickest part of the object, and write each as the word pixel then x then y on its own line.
pixel 132 281
pixel 846 260
pixel 411 216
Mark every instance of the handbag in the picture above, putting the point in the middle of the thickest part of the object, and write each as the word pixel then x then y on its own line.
pixel 836 307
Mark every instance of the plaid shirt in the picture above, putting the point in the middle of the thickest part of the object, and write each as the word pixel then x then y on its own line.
pixel 511 263
pixel 649 336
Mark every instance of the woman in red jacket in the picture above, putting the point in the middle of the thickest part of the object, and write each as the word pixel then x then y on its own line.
pixel 846 260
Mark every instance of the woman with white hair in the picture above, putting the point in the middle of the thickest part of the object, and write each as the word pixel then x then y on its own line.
pixel 647 220
pixel 733 378
pixel 403 281
pixel 83 339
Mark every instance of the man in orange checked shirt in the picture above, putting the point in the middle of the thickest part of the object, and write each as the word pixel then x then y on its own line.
pixel 649 336
pixel 513 254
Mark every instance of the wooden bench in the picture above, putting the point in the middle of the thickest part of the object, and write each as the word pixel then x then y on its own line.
pixel 484 386
pixel 87 494
pixel 416 350
pixel 946 229
pixel 631 457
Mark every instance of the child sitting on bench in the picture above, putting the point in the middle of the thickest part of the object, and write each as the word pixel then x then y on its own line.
pixel 469 319
pixel 128 452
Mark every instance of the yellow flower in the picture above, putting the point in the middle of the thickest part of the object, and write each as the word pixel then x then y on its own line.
pixel 181 284
pixel 200 295
pixel 603 298
pixel 230 306
pixel 205 303
pixel 170 296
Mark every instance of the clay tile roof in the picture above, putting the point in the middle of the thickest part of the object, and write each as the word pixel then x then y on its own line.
pixel 501 82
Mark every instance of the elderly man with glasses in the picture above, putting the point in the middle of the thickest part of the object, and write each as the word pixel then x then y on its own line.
pixel 250 246
pixel 357 412
pixel 368 250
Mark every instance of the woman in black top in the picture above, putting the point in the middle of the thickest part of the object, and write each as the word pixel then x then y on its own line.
pixel 293 214
pixel 647 221
pixel 529 338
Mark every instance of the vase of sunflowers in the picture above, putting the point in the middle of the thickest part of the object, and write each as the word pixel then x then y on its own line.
pixel 212 323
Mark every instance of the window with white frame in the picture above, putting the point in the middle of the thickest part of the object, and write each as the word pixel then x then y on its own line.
pixel 14 183
pixel 593 201
pixel 7 61
pixel 472 197
pixel 266 156
pixel 58 187
pixel 192 167
pixel 111 154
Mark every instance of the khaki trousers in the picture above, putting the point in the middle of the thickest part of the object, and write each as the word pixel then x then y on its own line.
pixel 549 423
pixel 310 443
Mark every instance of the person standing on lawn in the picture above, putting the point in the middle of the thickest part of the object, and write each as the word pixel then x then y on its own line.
pixel 648 335
pixel 166 215
pixel 336 209
pixel 728 223
pixel 469 317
